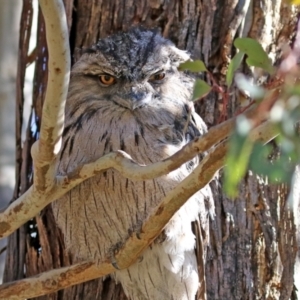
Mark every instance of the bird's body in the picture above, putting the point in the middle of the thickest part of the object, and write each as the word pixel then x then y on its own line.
pixel 144 114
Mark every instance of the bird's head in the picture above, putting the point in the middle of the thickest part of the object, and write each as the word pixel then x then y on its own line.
pixel 131 70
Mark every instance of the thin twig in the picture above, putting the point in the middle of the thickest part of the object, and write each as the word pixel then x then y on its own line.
pixel 3 249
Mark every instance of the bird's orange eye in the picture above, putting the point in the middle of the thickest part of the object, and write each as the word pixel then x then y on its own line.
pixel 157 77
pixel 107 79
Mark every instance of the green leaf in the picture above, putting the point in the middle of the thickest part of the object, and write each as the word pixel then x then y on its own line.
pixel 258 161
pixel 233 66
pixel 257 56
pixel 278 170
pixel 193 66
pixel 263 64
pixel 201 88
pixel 240 147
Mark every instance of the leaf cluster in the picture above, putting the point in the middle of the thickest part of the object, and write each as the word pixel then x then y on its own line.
pixel 284 113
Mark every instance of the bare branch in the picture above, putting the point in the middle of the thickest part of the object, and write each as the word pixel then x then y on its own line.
pixel 46 149
pixel 47 187
pixel 55 280
pixel 35 199
pixel 123 162
pixel 52 281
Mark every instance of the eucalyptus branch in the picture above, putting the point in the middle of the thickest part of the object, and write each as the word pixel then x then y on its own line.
pixel 48 187
pixel 54 280
pixel 47 147
pixel 36 198
pixel 45 150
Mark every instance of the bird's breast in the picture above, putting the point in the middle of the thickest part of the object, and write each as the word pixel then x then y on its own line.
pixel 104 210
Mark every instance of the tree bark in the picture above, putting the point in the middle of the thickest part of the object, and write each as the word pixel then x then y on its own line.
pixel 251 242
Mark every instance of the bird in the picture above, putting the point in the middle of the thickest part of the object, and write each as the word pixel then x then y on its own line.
pixel 127 93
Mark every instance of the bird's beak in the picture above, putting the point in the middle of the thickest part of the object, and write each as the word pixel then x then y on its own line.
pixel 139 99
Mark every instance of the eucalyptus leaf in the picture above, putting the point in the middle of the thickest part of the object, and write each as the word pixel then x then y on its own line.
pixel 233 66
pixel 240 147
pixel 193 66
pixel 257 56
pixel 279 170
pixel 201 88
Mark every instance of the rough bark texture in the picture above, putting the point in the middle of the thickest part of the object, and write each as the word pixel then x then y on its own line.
pixel 251 243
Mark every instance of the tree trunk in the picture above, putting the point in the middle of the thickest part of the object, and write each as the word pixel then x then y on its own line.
pixel 251 243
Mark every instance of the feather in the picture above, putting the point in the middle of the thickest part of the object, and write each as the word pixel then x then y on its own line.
pixel 98 216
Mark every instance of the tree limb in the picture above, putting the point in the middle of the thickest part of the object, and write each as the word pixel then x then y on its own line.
pixel 47 188
pixel 54 280
pixel 45 150
pixel 36 198
pixel 47 147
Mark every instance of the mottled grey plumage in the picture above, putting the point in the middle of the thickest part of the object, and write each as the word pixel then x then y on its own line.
pixel 144 115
